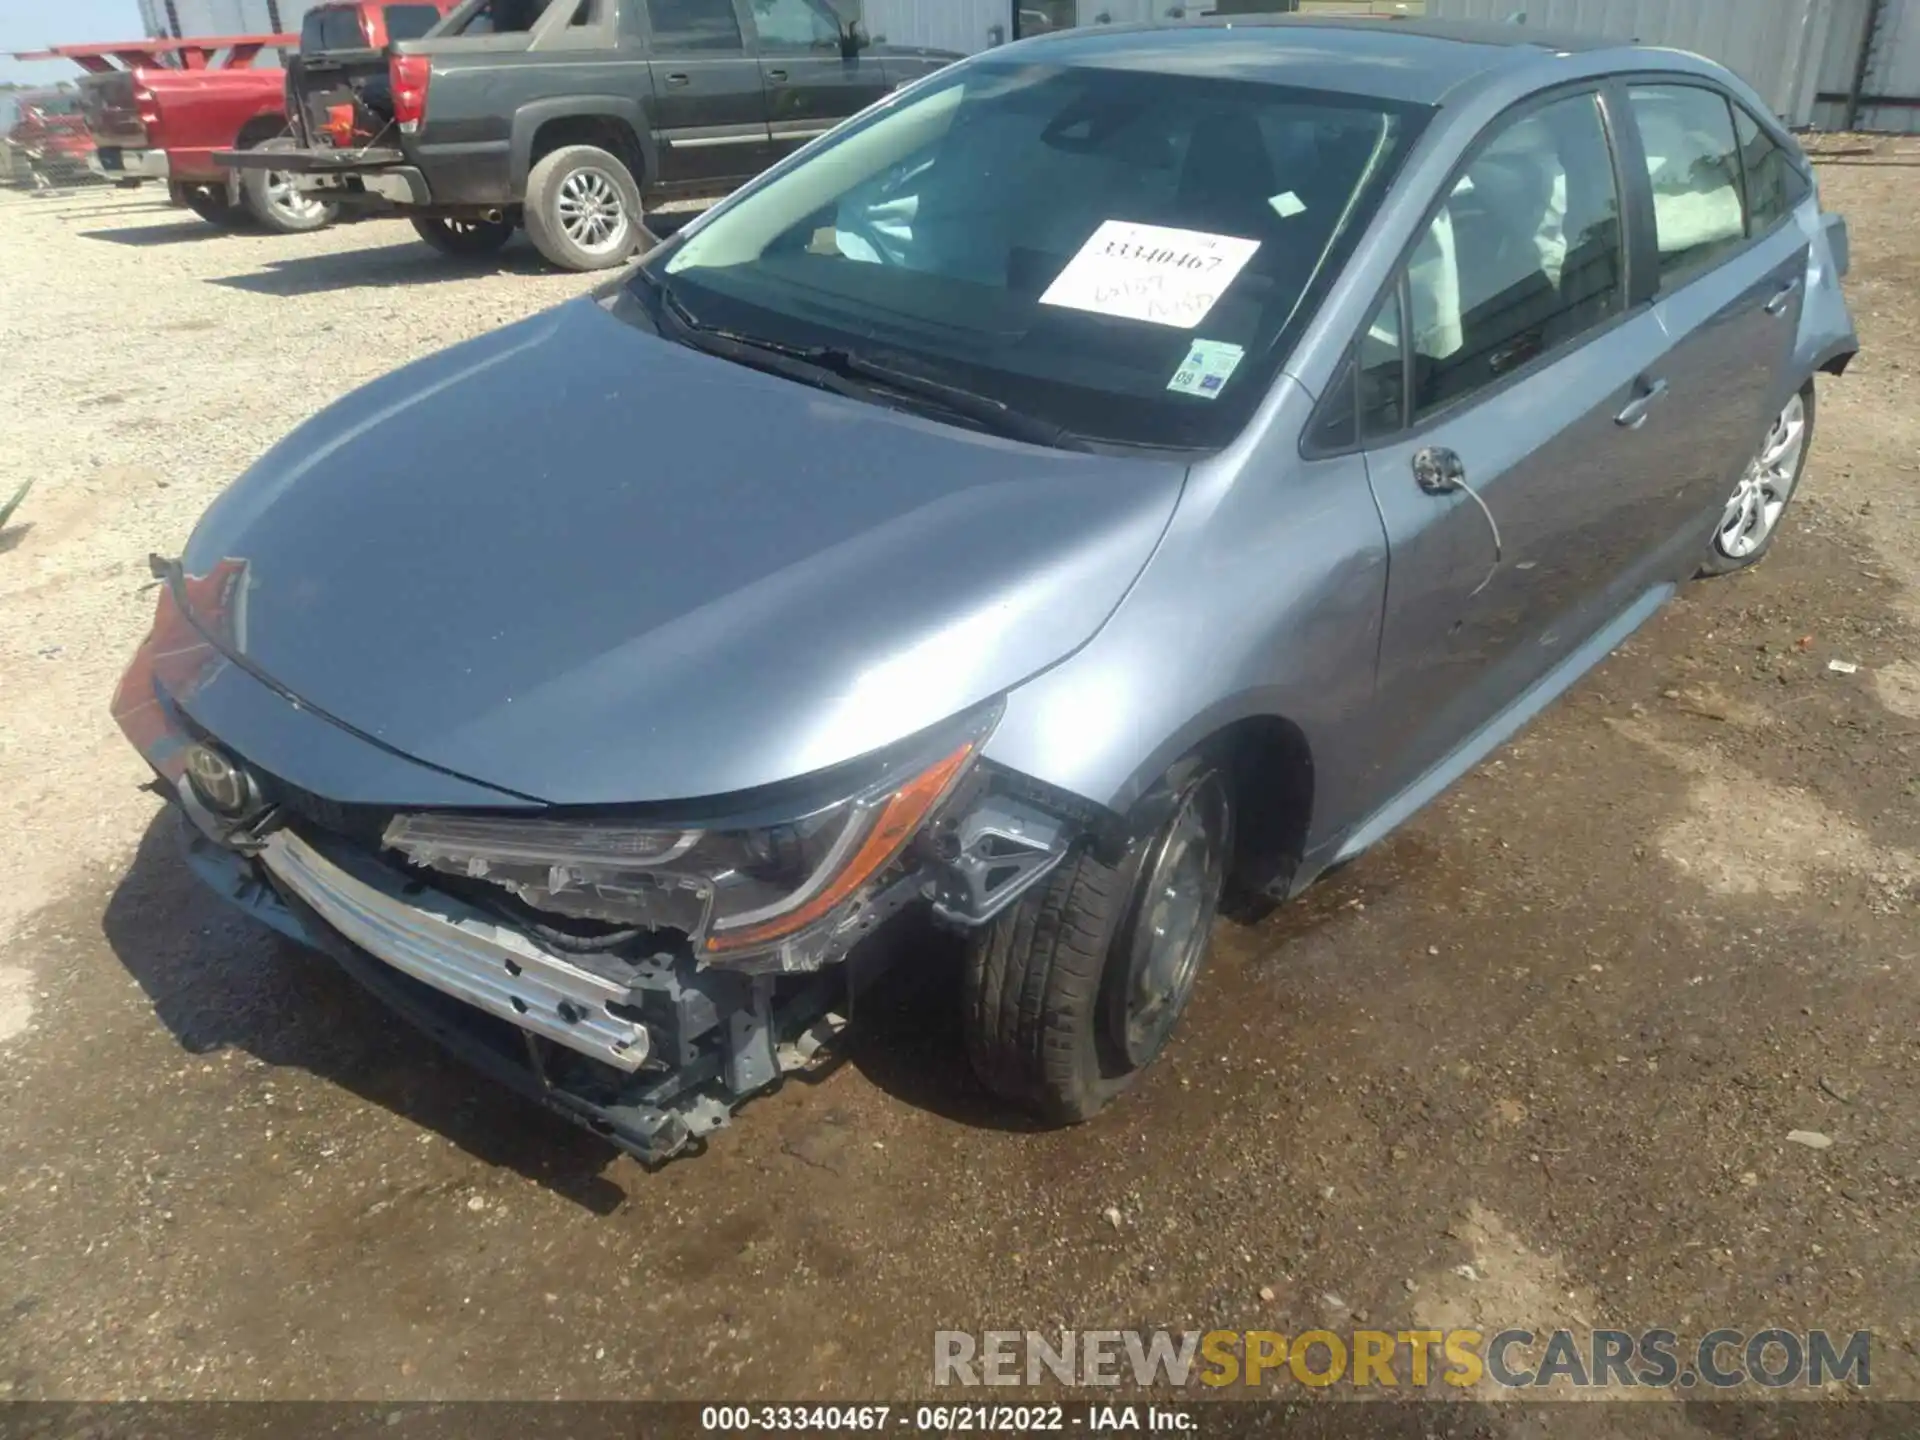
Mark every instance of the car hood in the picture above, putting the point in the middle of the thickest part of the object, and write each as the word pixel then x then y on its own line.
pixel 574 561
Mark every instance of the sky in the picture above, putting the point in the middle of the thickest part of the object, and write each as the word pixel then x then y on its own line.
pixel 36 24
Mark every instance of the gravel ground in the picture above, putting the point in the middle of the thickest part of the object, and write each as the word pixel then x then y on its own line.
pixel 1534 1061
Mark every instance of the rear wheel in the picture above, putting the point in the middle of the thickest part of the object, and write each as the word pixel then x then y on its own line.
pixel 1077 989
pixel 211 203
pixel 583 209
pixel 272 199
pixel 1747 528
pixel 464 237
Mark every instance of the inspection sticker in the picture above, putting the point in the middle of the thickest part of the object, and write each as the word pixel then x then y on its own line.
pixel 1206 369
pixel 1150 272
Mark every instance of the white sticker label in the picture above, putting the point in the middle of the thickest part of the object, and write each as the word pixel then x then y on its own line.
pixel 1150 272
pixel 1287 205
pixel 1206 369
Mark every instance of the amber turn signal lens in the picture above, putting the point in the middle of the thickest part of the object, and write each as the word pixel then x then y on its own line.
pixel 902 815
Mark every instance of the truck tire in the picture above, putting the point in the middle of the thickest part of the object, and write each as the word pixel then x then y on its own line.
pixel 1054 988
pixel 271 199
pixel 210 202
pixel 464 237
pixel 583 209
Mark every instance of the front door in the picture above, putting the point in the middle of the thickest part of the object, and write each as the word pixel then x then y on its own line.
pixel 709 106
pixel 1508 483
pixel 812 84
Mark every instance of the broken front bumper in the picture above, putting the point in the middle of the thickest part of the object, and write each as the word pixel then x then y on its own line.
pixel 651 1065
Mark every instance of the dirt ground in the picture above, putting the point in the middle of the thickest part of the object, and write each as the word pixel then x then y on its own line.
pixel 1534 1061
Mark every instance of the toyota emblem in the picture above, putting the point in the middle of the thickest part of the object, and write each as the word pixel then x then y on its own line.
pixel 220 783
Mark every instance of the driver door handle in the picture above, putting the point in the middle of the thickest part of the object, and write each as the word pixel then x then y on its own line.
pixel 779 77
pixel 1635 415
pixel 678 78
pixel 1777 306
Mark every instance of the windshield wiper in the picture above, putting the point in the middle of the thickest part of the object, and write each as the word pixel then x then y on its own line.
pixel 850 373
pixel 984 410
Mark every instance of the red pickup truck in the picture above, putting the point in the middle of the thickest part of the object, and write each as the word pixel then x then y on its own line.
pixel 159 109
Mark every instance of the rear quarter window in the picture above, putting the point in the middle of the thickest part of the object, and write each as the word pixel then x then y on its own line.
pixel 410 22
pixel 334 28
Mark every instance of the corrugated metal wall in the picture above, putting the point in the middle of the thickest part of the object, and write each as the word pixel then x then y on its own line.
pixel 963 25
pixel 1893 70
pixel 1791 51
pixel 1775 45
pixel 221 17
pixel 970 26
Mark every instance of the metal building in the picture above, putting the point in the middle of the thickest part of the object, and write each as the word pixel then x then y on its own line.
pixel 1831 64
pixel 972 25
pixel 178 18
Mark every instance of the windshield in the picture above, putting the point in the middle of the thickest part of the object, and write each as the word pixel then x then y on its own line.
pixel 1123 255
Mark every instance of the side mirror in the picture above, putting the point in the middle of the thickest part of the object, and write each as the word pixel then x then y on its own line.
pixel 853 39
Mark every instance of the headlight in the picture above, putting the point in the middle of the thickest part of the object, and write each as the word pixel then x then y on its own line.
pixel 734 891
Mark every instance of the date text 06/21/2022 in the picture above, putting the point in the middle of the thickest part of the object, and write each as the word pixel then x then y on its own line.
pixel 947 1419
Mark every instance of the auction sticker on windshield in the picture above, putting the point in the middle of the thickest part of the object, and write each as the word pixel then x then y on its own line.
pixel 1207 368
pixel 1150 272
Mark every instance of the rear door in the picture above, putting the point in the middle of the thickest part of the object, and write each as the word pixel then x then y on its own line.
pixel 709 106
pixel 811 84
pixel 1732 266
pixel 1492 381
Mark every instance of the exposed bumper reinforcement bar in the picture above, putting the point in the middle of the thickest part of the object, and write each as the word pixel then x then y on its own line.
pixel 715 1038
pixel 461 952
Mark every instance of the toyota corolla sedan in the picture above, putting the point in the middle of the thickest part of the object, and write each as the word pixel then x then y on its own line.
pixel 1125 473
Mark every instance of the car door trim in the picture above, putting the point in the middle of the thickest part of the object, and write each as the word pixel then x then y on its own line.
pixel 701 137
pixel 810 130
pixel 1435 779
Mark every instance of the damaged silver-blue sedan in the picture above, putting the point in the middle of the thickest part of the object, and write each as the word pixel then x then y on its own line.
pixel 1123 472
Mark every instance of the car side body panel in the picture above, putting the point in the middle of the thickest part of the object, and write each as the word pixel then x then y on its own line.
pixel 1194 648
pixel 1207 636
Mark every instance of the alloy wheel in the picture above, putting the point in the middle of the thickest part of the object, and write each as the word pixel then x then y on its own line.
pixel 1762 494
pixel 591 212
pixel 288 200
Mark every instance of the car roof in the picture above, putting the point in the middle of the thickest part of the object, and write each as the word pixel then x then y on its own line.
pixel 1419 61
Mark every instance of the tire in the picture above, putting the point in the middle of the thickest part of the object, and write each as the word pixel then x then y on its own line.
pixel 464 237
pixel 210 202
pixel 1765 490
pixel 578 193
pixel 276 205
pixel 1048 982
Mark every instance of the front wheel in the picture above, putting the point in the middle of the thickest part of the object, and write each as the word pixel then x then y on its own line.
pixel 464 237
pixel 583 209
pixel 1074 991
pixel 273 201
pixel 1752 518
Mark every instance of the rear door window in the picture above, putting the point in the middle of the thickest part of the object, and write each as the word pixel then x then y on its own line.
pixel 694 26
pixel 1693 164
pixel 1776 187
